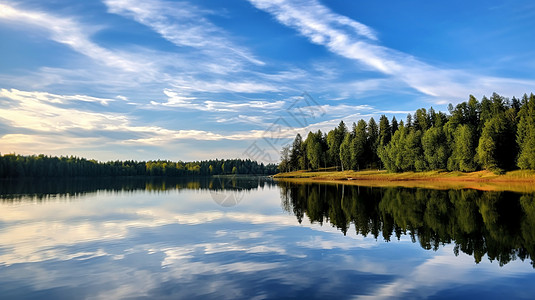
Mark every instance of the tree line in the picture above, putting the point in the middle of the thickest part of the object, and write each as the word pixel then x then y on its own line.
pixel 494 134
pixel 17 166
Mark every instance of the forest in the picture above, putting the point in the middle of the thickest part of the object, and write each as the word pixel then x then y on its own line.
pixel 18 166
pixel 496 134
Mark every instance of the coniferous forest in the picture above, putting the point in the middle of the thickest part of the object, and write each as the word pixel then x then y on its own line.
pixel 17 166
pixel 495 134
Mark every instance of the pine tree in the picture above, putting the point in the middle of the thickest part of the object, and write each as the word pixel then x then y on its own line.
pixel 345 152
pixel 526 133
pixel 436 150
pixel 463 150
pixel 497 148
pixel 373 143
pixel 395 125
pixel 359 147
pixel 385 132
pixel 296 154
pixel 335 138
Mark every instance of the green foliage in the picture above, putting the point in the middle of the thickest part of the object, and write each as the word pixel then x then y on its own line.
pixel 394 126
pixel 315 146
pixel 497 147
pixel 496 134
pixel 297 157
pixel 463 150
pixel 525 136
pixel 421 120
pixel 414 160
pixel 385 131
pixel 335 138
pixel 359 147
pixel 16 166
pixel 373 143
pixel 435 147
pixel 284 165
pixel 392 155
pixel 345 152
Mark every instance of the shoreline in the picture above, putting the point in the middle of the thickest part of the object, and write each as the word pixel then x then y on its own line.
pixel 515 181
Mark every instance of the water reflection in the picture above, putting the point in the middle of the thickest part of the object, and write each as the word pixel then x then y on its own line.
pixel 169 239
pixel 500 225
pixel 51 189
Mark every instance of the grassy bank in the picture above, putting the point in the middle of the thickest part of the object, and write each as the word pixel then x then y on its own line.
pixel 518 181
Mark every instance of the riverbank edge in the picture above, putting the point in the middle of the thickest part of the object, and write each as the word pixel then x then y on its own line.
pixel 516 181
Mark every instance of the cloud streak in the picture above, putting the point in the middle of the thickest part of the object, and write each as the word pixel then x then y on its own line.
pixel 185 26
pixel 121 70
pixel 178 99
pixel 357 42
pixel 74 35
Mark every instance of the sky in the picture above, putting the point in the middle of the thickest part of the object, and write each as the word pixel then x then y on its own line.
pixel 194 80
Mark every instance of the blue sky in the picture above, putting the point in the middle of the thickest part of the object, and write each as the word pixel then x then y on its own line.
pixel 191 80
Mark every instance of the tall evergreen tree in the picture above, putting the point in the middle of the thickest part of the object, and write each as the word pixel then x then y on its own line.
pixel 415 160
pixel 435 147
pixel 373 143
pixel 385 131
pixel 284 165
pixel 421 120
pixel 409 121
pixel 296 154
pixel 345 152
pixel 335 138
pixel 393 156
pixel 315 149
pixel 395 125
pixel 359 147
pixel 485 113
pixel 463 150
pixel 525 136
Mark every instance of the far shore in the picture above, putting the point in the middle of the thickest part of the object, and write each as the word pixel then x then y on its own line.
pixel 516 181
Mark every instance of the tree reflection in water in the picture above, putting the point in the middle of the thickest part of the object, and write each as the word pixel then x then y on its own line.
pixel 45 189
pixel 498 224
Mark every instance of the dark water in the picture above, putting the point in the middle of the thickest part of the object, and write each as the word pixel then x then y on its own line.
pixel 252 238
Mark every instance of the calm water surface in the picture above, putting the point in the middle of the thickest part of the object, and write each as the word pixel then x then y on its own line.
pixel 256 239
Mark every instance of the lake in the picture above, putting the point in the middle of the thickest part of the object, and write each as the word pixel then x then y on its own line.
pixel 254 238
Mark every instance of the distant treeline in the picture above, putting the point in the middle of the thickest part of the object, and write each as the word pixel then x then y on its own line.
pixel 16 166
pixel 494 134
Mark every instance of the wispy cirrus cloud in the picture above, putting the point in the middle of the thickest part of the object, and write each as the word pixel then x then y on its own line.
pixel 123 68
pixel 178 99
pixel 357 42
pixel 184 25
pixel 74 35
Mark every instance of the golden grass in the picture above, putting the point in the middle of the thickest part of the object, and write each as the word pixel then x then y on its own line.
pixel 517 181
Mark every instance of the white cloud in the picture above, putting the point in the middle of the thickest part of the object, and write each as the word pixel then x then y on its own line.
pixel 39 111
pixel 442 271
pixel 71 33
pixel 177 98
pixel 321 26
pixel 119 70
pixel 183 25
pixel 313 19
pixel 48 123
pixel 257 120
pixel 45 113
